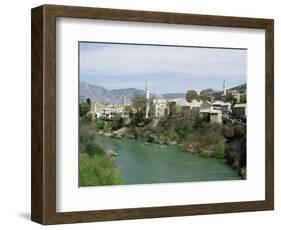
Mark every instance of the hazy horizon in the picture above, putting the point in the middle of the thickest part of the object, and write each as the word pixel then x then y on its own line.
pixel 153 92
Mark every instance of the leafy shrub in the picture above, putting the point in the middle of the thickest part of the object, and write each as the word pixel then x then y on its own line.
pixel 236 145
pixel 206 153
pixel 206 135
pixel 219 151
pixel 98 170
pixel 84 108
pixel 86 119
pixel 93 149
pixel 100 125
pixel 86 135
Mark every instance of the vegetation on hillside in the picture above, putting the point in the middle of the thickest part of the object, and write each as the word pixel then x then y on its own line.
pixel 95 167
pixel 194 135
pixel 236 146
pixel 84 107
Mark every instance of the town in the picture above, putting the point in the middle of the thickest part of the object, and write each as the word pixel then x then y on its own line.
pixel 225 106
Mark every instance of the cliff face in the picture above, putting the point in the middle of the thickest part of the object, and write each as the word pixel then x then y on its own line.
pixel 236 148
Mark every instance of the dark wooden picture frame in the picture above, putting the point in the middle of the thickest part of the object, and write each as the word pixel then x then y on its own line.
pixel 43 189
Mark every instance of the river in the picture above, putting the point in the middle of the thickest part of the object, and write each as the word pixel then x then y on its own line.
pixel 145 163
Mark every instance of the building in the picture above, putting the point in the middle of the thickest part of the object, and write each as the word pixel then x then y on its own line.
pixel 186 111
pixel 205 106
pixel 225 107
pixel 159 107
pixel 213 112
pixel 240 111
pixel 180 106
pixel 208 112
pixel 175 106
pixel 216 116
pixel 108 112
pixel 195 107
pixel 235 94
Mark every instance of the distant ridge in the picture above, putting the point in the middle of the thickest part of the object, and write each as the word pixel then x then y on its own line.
pixel 100 94
pixel 173 95
pixel 239 87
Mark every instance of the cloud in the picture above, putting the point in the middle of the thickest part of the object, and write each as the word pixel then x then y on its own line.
pixel 138 59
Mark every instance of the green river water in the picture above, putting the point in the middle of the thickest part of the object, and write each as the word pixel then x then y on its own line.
pixel 145 163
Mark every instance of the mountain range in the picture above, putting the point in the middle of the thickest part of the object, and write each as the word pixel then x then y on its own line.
pixel 240 88
pixel 117 96
pixel 100 94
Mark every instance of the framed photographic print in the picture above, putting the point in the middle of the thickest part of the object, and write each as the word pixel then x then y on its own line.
pixel 140 114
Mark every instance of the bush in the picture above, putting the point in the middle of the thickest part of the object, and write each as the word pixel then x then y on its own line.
pixel 117 122
pixel 86 135
pixel 206 135
pixel 100 125
pixel 147 121
pixel 98 170
pixel 219 151
pixel 236 145
pixel 84 108
pixel 197 122
pixel 206 153
pixel 86 119
pixel 95 167
pixel 93 149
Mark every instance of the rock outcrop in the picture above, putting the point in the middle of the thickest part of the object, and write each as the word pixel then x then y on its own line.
pixel 120 132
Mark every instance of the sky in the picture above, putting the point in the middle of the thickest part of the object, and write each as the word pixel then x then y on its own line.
pixel 170 69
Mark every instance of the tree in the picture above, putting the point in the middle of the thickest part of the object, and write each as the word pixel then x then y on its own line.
pixel 84 108
pixel 100 125
pixel 230 98
pixel 191 95
pixel 207 95
pixel 243 98
pixel 208 91
pixel 139 103
pixel 88 101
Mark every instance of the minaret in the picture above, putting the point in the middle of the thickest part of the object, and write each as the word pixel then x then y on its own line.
pixel 224 88
pixel 147 89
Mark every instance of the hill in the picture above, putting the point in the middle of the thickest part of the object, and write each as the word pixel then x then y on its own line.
pixel 100 94
pixel 239 87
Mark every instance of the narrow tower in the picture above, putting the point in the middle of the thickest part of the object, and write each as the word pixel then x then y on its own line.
pixel 224 88
pixel 147 89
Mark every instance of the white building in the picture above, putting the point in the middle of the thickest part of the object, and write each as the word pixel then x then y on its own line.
pixel 159 107
pixel 109 112
pixel 181 106
pixel 214 111
pixel 225 107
